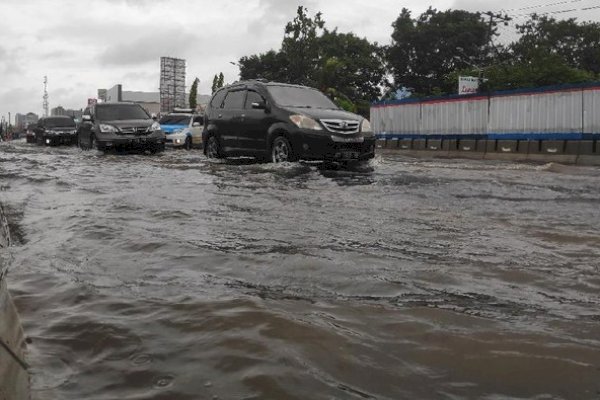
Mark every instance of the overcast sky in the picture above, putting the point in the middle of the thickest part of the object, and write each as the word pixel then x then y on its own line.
pixel 84 45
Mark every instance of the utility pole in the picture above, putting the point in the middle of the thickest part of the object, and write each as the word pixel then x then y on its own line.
pixel 495 17
pixel 45 97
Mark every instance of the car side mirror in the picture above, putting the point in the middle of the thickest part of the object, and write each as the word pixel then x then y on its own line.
pixel 154 117
pixel 260 106
pixel 196 124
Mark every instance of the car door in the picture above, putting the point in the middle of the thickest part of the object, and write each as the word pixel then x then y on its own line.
pixel 196 127
pixel 256 122
pixel 231 118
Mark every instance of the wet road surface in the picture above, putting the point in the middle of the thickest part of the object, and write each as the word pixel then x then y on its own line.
pixel 171 277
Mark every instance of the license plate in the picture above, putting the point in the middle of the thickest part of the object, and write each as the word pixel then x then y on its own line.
pixel 350 154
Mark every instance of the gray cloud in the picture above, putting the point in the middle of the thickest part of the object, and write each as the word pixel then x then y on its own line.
pixel 18 100
pixel 149 48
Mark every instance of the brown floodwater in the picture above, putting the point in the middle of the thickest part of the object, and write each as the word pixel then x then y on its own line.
pixel 171 277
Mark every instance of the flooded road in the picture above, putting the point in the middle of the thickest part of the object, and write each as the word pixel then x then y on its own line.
pixel 171 277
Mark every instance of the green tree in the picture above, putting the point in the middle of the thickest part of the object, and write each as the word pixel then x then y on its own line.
pixel 300 46
pixel 271 65
pixel 218 82
pixel 425 50
pixel 193 100
pixel 314 56
pixel 215 82
pixel 576 43
pixel 351 65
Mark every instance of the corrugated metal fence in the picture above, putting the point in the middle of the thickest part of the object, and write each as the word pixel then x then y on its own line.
pixel 567 112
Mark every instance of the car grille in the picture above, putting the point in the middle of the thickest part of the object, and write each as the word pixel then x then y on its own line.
pixel 340 125
pixel 133 130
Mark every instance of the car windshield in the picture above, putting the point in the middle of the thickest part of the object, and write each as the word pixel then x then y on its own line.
pixel 175 120
pixel 59 123
pixel 116 112
pixel 291 96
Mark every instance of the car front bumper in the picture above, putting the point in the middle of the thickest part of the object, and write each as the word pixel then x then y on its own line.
pixel 151 141
pixel 175 139
pixel 55 140
pixel 311 145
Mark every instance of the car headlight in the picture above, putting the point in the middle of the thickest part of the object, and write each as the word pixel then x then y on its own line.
pixel 154 127
pixel 304 122
pixel 365 127
pixel 105 128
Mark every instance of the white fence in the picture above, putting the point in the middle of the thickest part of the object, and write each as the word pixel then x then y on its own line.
pixel 565 112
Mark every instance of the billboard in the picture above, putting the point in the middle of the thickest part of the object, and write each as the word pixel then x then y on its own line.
pixel 172 84
pixel 468 84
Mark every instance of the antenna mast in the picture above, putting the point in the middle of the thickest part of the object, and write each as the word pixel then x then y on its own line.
pixel 45 97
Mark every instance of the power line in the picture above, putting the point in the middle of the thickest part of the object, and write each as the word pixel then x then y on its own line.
pixel 543 5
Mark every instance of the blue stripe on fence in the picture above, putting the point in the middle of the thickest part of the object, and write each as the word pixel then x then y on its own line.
pixel 494 136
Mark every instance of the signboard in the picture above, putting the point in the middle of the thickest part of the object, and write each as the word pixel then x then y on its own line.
pixel 468 84
pixel 92 102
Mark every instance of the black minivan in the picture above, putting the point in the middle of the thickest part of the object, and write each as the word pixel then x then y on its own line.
pixel 283 122
pixel 108 126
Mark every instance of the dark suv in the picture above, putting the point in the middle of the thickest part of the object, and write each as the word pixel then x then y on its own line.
pixel 282 122
pixel 52 131
pixel 119 125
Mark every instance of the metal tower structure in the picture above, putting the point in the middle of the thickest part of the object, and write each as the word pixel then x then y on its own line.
pixel 45 97
pixel 172 83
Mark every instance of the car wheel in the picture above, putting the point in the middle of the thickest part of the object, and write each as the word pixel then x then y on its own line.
pixel 188 143
pixel 212 147
pixel 281 151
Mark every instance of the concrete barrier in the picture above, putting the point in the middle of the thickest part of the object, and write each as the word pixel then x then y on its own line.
pixel 405 144
pixel 14 377
pixel 553 146
pixel 419 144
pixel 506 146
pixel 467 145
pixel 523 147
pixel 434 144
pixel 450 144
pixel 534 147
pixel 391 144
pixel 584 152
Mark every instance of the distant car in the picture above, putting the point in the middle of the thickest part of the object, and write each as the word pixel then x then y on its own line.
pixel 182 129
pixel 108 126
pixel 282 122
pixel 54 131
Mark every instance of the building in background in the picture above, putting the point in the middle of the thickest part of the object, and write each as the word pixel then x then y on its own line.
pixel 102 94
pixel 60 110
pixel 23 120
pixel 172 84
pixel 150 101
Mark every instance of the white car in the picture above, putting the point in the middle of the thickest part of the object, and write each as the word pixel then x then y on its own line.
pixel 182 129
